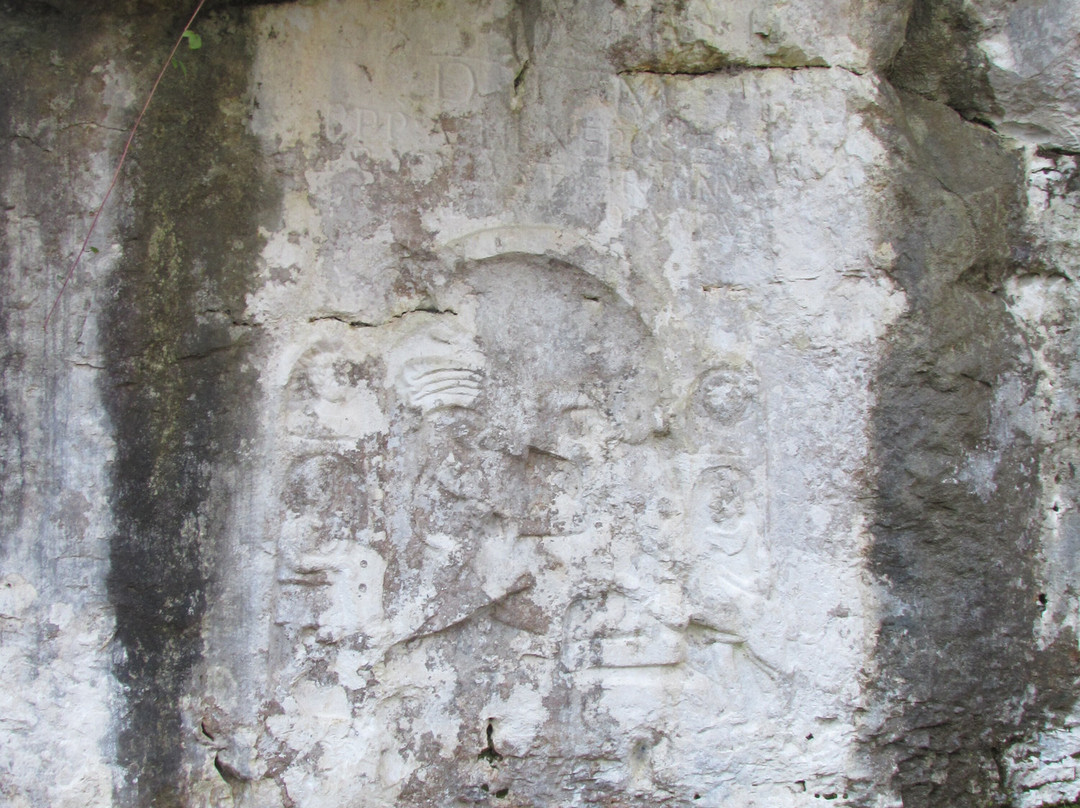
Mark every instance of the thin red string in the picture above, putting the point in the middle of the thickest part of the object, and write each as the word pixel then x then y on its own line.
pixel 120 165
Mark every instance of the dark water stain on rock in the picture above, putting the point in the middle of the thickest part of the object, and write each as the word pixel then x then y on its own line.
pixel 956 535
pixel 49 100
pixel 177 381
pixel 941 59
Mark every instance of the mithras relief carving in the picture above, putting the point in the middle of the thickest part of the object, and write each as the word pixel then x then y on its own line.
pixel 497 488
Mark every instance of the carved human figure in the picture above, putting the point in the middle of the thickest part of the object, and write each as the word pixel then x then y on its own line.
pixel 726 500
pixel 503 410
pixel 485 517
pixel 730 576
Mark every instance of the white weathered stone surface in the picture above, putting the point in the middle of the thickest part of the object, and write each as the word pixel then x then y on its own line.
pixel 1031 49
pixel 621 404
pixel 58 697
pixel 1042 769
pixel 603 429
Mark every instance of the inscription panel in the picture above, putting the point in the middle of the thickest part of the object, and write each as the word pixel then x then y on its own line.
pixel 573 565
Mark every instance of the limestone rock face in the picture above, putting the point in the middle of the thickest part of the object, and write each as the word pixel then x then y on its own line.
pixel 1011 64
pixel 1031 55
pixel 600 403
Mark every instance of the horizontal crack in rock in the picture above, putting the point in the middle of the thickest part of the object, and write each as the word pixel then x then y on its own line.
pixel 729 69
pixel 365 324
pixel 700 59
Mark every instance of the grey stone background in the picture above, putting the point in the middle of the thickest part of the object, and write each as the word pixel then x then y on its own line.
pixel 535 403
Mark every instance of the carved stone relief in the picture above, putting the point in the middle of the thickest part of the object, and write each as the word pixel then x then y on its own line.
pixel 485 521
pixel 518 403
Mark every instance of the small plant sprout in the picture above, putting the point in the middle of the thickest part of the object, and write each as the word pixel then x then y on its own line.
pixel 194 42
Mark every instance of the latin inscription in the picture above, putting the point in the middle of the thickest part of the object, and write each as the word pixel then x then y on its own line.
pixel 607 134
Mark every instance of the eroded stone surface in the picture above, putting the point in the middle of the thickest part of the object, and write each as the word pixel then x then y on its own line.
pixel 571 399
pixel 516 403
pixel 1031 51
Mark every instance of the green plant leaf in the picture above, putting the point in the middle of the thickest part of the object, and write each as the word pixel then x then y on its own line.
pixel 194 41
pixel 177 63
pixel 94 250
